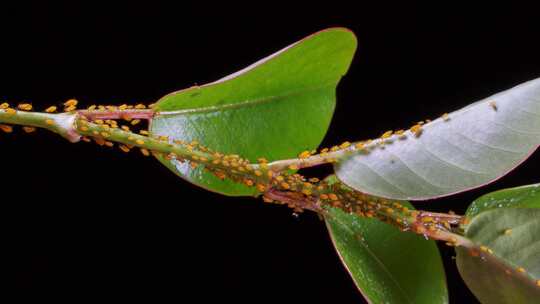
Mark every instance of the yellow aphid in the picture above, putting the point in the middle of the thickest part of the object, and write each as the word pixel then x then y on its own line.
pixel 135 121
pixel 427 219
pixel 248 182
pixel 25 107
pixel 92 108
pixel 29 129
pixel 71 102
pixel 323 196
pixel 145 152
pixel 304 154
pixel 493 105
pixel 389 210
pixel 332 196
pixel 123 107
pixel 521 269
pixel 99 121
pixel 387 134
pixel 284 185
pixel 508 231
pixel 262 160
pixel 70 108
pixel 101 108
pixel 538 283
pixel 3 106
pixel 293 167
pixel 261 187
pixel 325 150
pixel 86 139
pixel 306 191
pixel 344 145
pixel 139 142
pixel 421 122
pixel 84 128
pixel 417 130
pixel 483 248
pixel 140 106
pixel 49 122
pixel 105 134
pixel 264 166
pixel 445 117
pixel 125 128
pixel 11 111
pixel 144 132
pixel 359 146
pixel 258 172
pixel 109 144
pixel 100 141
pixel 124 148
pixel 6 128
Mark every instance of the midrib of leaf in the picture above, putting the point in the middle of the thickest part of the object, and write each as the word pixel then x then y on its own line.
pixel 247 103
pixel 372 254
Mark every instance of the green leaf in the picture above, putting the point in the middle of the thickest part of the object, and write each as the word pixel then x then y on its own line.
pixel 275 108
pixel 470 148
pixel 519 197
pixel 387 265
pixel 510 273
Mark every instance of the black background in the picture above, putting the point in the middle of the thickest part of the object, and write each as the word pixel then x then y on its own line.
pixel 87 222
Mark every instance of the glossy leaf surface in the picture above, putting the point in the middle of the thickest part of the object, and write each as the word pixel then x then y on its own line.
pixel 275 108
pixel 466 149
pixel 387 265
pixel 503 264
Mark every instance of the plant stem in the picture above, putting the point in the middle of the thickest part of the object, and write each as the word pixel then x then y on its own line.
pixel 61 124
pixel 232 167
pixel 292 190
pixel 147 114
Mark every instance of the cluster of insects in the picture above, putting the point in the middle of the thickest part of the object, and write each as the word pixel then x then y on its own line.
pixel 276 185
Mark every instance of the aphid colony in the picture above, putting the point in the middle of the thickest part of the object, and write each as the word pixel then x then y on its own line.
pixel 262 178
pixel 333 154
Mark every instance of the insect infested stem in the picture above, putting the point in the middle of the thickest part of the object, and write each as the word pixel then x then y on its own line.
pixel 117 114
pixel 223 166
pixel 294 200
pixel 299 163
